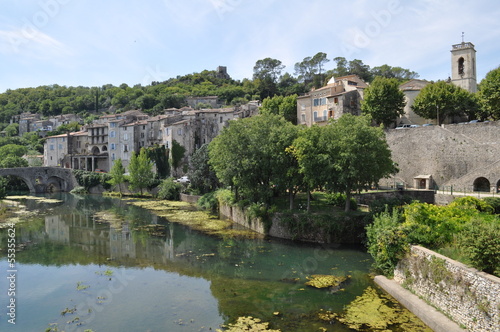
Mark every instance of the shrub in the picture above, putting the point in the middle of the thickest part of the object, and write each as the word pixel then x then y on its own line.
pixel 88 179
pixel 380 205
pixel 209 202
pixel 480 240
pixel 387 241
pixel 170 190
pixel 469 202
pixel 494 202
pixel 338 200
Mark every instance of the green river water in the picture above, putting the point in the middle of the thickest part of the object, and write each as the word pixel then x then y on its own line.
pixel 74 272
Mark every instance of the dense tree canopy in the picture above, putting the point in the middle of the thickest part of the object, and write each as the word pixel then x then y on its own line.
pixel 250 156
pixel 489 95
pixel 284 106
pixel 443 100
pixel 384 101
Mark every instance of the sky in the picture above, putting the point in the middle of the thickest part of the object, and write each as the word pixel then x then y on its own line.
pixel 96 42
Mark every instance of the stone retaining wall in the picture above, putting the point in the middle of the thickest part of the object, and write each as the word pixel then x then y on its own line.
pixel 237 215
pixel 190 198
pixel 469 297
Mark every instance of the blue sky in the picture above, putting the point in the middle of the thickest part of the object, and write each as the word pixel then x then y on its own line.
pixel 96 42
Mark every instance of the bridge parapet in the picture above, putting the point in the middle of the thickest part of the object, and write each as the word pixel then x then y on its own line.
pixel 43 179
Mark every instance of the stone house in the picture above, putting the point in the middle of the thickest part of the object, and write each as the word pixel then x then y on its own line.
pixel 340 96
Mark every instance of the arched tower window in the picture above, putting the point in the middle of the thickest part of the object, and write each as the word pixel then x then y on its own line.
pixel 461 66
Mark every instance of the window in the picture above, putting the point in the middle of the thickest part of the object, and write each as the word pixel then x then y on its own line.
pixel 112 124
pixel 179 131
pixel 461 66
pixel 125 147
pixel 142 135
pixel 113 156
pixel 60 146
pixel 113 146
pixel 125 128
pixel 52 146
pixel 303 118
pixel 325 114
pixel 125 137
pixel 221 119
pixel 315 115
pixel 336 100
pixel 112 134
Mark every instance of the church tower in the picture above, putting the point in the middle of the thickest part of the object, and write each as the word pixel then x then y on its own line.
pixel 463 66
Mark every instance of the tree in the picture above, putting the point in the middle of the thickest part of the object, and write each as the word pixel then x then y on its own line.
pixel 13 150
pixel 442 100
pixel 359 153
pixel 177 153
pixel 314 162
pixel 489 95
pixel 3 187
pixel 12 129
pixel 266 73
pixel 284 106
pixel 398 73
pixel 140 170
pixel 201 174
pixel 117 174
pixel 384 101
pixel 12 161
pixel 250 156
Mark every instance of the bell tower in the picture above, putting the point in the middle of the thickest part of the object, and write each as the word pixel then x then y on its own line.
pixel 463 65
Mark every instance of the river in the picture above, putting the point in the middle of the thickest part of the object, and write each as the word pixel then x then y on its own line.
pixel 140 272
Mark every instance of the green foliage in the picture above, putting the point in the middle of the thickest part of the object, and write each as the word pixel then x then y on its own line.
pixel 16 150
pixel 225 196
pixel 435 227
pixel 159 157
pixel 3 187
pixel 469 202
pixel 489 95
pixel 442 100
pixel 387 241
pixel 177 154
pixel 384 101
pixel 140 169
pixel 250 156
pixel 12 161
pixel 383 204
pixel 339 200
pixel 88 179
pixel 169 190
pixel 480 241
pixel 209 202
pixel 284 106
pixel 494 202
pixel 117 174
pixel 201 174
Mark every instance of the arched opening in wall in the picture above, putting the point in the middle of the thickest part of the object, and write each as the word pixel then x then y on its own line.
pixel 461 66
pixel 55 184
pixel 104 148
pixel 16 184
pixel 482 185
pixel 95 150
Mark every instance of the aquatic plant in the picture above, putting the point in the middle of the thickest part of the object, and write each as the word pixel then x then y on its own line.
pixel 326 281
pixel 248 323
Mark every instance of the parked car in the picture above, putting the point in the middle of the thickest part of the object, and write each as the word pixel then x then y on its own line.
pixel 474 121
pixel 404 126
pixel 427 124
pixel 182 179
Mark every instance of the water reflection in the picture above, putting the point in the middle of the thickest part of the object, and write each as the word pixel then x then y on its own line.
pixel 172 269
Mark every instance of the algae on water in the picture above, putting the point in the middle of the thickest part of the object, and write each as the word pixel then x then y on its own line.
pixel 376 312
pixel 247 324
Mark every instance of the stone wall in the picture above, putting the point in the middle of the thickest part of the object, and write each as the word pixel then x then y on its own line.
pixel 189 198
pixel 455 154
pixel 425 196
pixel 469 297
pixel 349 234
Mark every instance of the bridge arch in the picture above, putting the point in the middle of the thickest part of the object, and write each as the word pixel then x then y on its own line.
pixel 43 179
pixel 481 184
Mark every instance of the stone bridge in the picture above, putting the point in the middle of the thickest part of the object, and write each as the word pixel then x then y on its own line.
pixel 43 179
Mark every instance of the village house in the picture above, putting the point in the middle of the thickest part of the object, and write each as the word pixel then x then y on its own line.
pixel 340 96
pixel 98 145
